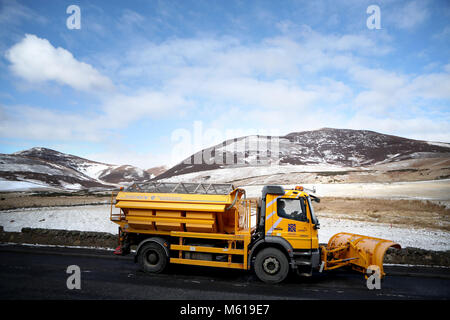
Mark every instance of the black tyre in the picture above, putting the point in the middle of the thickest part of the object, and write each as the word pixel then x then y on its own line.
pixel 152 258
pixel 271 265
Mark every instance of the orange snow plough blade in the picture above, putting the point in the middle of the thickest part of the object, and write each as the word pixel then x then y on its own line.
pixel 355 250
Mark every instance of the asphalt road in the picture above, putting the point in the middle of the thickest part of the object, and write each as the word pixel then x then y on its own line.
pixel 29 272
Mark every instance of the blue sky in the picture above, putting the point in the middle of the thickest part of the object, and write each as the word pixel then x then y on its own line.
pixel 138 75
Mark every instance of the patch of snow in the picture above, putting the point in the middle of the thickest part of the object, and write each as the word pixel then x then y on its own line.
pixel 421 155
pixel 437 190
pixel 139 172
pixel 56 246
pixel 439 144
pixel 13 167
pixel 414 265
pixel 7 185
pixel 429 239
pixel 70 186
pixel 236 173
pixel 94 170
pixel 81 218
pixel 390 156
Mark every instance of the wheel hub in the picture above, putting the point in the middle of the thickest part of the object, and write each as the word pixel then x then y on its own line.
pixel 271 265
pixel 152 257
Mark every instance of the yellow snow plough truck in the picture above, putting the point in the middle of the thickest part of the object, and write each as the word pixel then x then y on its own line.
pixel 216 225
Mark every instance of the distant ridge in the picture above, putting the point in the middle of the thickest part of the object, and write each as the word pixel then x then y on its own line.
pixel 326 146
pixel 47 167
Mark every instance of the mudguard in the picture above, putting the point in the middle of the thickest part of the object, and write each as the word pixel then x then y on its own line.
pixel 275 240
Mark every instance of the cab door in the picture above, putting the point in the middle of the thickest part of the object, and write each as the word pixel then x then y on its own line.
pixel 271 209
pixel 291 222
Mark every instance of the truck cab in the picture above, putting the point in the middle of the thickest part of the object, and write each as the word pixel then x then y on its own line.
pixel 287 221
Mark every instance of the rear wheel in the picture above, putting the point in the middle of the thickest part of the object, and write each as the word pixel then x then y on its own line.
pixel 152 258
pixel 271 265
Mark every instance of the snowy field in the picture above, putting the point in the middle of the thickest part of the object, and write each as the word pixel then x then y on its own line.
pixel 7 185
pixel 81 218
pixel 429 239
pixel 236 173
pixel 437 190
pixel 96 218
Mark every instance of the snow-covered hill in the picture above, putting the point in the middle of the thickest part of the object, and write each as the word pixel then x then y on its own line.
pixel 320 156
pixel 325 149
pixel 42 167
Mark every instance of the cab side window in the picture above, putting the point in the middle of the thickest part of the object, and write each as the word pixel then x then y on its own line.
pixel 291 209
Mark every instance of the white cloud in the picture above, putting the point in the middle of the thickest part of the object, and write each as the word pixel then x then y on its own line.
pixel 384 90
pixel 117 112
pixel 15 13
pixel 409 16
pixel 280 57
pixel 37 60
pixel 447 67
pixel 121 110
pixel 431 86
pixel 381 89
pixel 276 94
pixel 121 155
pixel 444 34
pixel 34 123
pixel 278 72
pixel 130 17
pixel 420 127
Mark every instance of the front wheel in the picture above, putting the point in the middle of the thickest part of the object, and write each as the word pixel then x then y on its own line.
pixel 152 258
pixel 271 265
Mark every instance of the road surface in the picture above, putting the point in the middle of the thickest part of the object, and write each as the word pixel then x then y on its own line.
pixel 34 272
